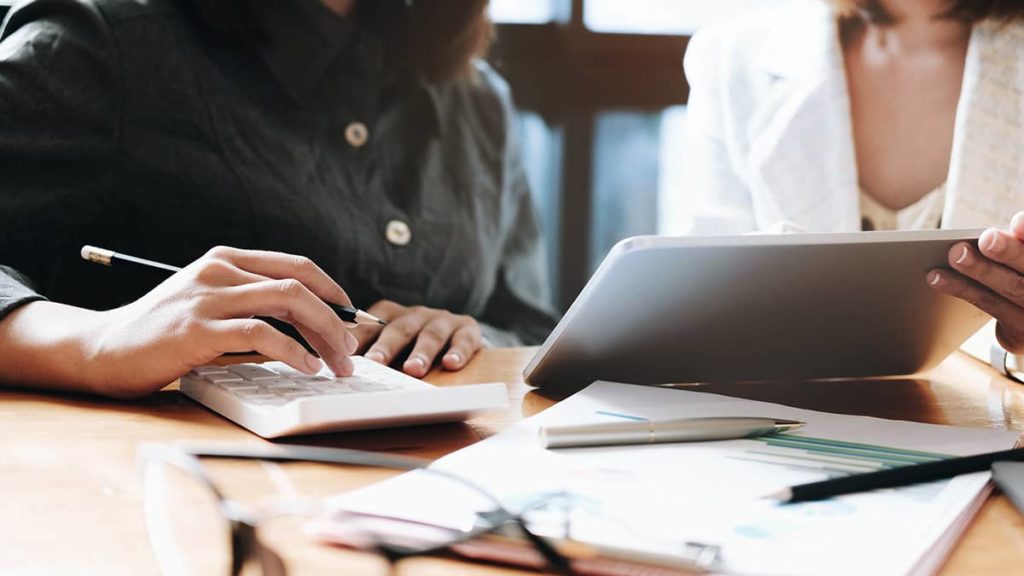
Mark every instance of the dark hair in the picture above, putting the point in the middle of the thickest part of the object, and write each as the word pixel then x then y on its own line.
pixel 439 38
pixel 436 38
pixel 960 10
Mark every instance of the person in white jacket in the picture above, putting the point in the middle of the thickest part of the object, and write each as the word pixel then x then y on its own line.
pixel 849 115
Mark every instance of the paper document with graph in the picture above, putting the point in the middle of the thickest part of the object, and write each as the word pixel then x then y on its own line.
pixel 658 497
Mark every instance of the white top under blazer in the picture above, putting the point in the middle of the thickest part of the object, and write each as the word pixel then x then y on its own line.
pixel 770 139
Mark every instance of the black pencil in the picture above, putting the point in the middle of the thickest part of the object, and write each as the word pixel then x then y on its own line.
pixel 109 257
pixel 895 477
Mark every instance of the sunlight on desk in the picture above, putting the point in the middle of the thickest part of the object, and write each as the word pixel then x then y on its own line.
pixel 72 483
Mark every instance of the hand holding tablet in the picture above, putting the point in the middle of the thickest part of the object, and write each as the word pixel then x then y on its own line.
pixel 991 277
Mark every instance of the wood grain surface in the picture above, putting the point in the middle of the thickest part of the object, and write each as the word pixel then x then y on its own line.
pixel 71 485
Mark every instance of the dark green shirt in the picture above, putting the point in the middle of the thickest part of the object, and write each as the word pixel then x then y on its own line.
pixel 136 126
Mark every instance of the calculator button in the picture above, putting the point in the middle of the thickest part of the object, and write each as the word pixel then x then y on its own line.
pixel 287 388
pixel 333 388
pixel 253 372
pixel 220 378
pixel 256 396
pixel 276 382
pixel 363 386
pixel 235 385
pixel 296 393
pixel 206 375
pixel 204 370
pixel 288 371
pixel 311 379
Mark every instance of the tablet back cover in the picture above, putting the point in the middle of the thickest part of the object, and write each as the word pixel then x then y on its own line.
pixel 680 310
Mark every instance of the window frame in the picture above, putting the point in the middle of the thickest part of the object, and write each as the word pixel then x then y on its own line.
pixel 569 74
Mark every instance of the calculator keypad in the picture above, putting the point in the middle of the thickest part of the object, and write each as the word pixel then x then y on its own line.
pixel 274 383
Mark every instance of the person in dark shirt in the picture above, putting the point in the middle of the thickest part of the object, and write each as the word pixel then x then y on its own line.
pixel 278 150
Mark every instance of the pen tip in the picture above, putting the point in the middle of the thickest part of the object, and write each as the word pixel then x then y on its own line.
pixel 784 495
pixel 787 425
pixel 365 318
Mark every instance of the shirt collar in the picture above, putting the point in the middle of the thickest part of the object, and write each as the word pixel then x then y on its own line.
pixel 433 94
pixel 302 40
pixel 426 99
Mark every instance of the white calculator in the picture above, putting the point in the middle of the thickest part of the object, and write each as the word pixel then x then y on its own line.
pixel 273 399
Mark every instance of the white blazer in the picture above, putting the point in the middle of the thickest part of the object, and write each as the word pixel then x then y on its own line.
pixel 770 139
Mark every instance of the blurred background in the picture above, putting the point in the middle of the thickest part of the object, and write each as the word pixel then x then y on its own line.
pixel 602 100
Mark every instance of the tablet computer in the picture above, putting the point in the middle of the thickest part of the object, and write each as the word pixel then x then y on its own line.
pixel 663 310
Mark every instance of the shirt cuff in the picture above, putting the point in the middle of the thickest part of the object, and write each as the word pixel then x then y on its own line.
pixel 498 338
pixel 8 305
pixel 984 346
pixel 15 291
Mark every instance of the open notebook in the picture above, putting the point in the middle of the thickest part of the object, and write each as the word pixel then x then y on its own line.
pixel 663 498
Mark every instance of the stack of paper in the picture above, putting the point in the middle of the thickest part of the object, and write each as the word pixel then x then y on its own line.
pixel 657 498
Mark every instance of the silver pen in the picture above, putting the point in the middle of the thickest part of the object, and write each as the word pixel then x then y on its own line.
pixel 654 431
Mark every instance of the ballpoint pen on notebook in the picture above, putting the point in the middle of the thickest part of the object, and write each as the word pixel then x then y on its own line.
pixel 109 257
pixel 895 477
pixel 652 431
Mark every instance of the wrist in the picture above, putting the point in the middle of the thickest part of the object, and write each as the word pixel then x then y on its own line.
pixel 52 345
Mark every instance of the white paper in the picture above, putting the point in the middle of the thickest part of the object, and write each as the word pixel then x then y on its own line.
pixel 657 497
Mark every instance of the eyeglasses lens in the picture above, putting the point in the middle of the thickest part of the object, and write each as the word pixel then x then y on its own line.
pixel 188 532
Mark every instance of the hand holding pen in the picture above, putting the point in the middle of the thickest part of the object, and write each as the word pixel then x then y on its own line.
pixel 426 334
pixel 207 309
pixel 348 314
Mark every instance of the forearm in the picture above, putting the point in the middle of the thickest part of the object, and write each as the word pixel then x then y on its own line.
pixel 49 345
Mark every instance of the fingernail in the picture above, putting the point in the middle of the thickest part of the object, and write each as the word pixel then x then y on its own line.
pixel 416 361
pixel 347 367
pixel 1015 223
pixel 376 356
pixel 454 357
pixel 964 257
pixel 934 279
pixel 352 342
pixel 313 363
pixel 995 242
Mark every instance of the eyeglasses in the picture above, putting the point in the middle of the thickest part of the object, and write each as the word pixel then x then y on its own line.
pixel 195 528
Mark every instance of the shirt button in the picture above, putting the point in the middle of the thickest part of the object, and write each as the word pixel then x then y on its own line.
pixel 357 134
pixel 398 233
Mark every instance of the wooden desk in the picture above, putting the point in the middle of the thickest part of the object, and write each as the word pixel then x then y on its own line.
pixel 71 487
